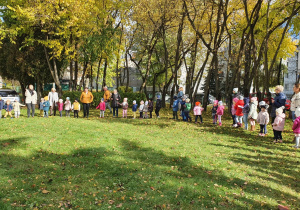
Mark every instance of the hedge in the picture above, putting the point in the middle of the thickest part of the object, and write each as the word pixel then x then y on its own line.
pixel 98 95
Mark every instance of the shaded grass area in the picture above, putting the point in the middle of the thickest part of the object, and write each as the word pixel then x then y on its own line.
pixel 155 163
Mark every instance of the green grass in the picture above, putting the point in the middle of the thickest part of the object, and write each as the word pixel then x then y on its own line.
pixel 150 164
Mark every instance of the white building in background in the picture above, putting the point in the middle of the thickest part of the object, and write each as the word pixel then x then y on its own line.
pixel 291 77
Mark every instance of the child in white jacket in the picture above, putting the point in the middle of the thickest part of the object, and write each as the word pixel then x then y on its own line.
pixel 17 109
pixel 263 118
pixel 252 116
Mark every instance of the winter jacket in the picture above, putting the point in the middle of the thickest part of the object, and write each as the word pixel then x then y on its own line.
pixel 101 106
pixel 296 126
pixel 182 105
pixel 279 101
pixel 295 102
pixel 239 108
pixel 41 106
pixel 187 107
pixel 141 107
pixel 198 110
pixel 68 105
pixel 179 95
pixel 220 110
pixel 214 109
pixel 134 107
pixel 253 110
pixel 30 98
pixel 16 106
pixel 53 98
pixel 86 98
pixel 246 108
pixel 115 100
pixel 106 95
pixel 125 105
pixel 1 104
pixel 150 106
pixel 158 104
pixel 8 107
pixel 145 109
pixel 46 106
pixel 279 121
pixel 76 106
pixel 175 106
pixel 60 106
pixel 263 117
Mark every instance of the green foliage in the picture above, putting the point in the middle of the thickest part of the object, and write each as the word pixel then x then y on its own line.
pixel 123 89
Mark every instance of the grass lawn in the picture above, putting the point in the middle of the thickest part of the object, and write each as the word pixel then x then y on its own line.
pixel 149 164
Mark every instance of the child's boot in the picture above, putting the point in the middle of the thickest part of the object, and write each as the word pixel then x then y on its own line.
pixel 220 124
pixel 297 142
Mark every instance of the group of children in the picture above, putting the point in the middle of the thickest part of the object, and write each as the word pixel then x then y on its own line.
pixel 8 106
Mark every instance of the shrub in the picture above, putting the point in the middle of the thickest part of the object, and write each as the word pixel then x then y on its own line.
pixel 122 89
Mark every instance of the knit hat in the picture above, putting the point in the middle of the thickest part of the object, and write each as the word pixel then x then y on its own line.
pixel 263 104
pixel 102 99
pixel 253 99
pixel 146 102
pixel 220 103
pixel 297 112
pixel 235 100
pixel 68 98
pixel 240 97
pixel 197 103
pixel 235 90
pixel 134 102
pixel 280 110
pixel 46 98
pixel 187 100
pixel 60 100
pixel 216 101
pixel 158 96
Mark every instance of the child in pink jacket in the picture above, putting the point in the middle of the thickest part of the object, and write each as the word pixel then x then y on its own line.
pixel 296 128
pixel 60 106
pixel 278 124
pixel 101 106
pixel 233 111
pixel 198 111
pixel 220 112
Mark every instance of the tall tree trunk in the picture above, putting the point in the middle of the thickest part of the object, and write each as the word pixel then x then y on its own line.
pixel 75 83
pixel 71 76
pixel 82 82
pixel 127 70
pixel 98 73
pixel 91 78
pixel 104 74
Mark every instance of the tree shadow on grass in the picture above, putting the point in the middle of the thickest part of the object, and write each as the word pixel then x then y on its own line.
pixel 11 142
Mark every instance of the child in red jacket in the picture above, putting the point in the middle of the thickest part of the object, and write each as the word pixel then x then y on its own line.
pixel 101 106
pixel 239 110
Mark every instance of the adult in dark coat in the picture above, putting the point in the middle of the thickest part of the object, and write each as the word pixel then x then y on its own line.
pixel 278 101
pixel 115 102
pixel 150 107
pixel 158 106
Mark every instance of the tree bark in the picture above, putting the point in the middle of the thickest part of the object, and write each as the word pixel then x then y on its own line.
pixel 104 74
pixel 98 73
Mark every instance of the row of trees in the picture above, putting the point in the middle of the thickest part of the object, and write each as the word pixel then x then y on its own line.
pixel 228 44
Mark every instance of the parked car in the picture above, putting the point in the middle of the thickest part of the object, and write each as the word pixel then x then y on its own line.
pixel 9 94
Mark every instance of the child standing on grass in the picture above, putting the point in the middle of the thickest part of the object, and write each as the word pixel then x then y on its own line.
pixel 141 109
pixel 239 106
pixel 76 108
pixel 187 110
pixel 125 107
pixel 8 108
pixel 60 106
pixel 220 112
pixel 296 128
pixel 158 106
pixel 68 107
pixel 295 101
pixel 1 106
pixel 134 109
pixel 233 112
pixel 150 107
pixel 101 106
pixel 246 110
pixel 198 111
pixel 175 108
pixel 145 110
pixel 263 118
pixel 214 112
pixel 46 106
pixel 17 109
pixel 278 124
pixel 42 107
pixel 252 116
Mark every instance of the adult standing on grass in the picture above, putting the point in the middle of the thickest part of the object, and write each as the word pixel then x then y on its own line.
pixel 158 106
pixel 86 99
pixel 30 100
pixel 53 99
pixel 1 106
pixel 115 102
pixel 278 101
pixel 106 97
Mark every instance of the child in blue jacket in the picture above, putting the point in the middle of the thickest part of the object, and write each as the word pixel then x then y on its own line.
pixel 1 106
pixel 46 105
pixel 175 108
pixel 8 108
pixel 134 109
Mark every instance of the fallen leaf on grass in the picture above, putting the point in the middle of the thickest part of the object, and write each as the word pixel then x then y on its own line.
pixel 120 205
pixel 45 191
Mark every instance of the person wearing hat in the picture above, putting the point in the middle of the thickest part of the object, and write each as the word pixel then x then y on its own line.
pixel 53 99
pixel 239 106
pixel 187 109
pixel 68 106
pixel 17 109
pixel 115 102
pixel 1 106
pixel 30 100
pixel 252 116
pixel 296 127
pixel 41 106
pixel 263 118
pixel 46 106
pixel 76 107
pixel 86 99
pixel 175 108
pixel 134 109
pixel 233 112
pixel 158 106
pixel 278 124
pixel 106 96
pixel 8 108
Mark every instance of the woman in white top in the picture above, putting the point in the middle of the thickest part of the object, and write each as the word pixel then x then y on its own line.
pixel 295 101
pixel 53 99
pixel 30 100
